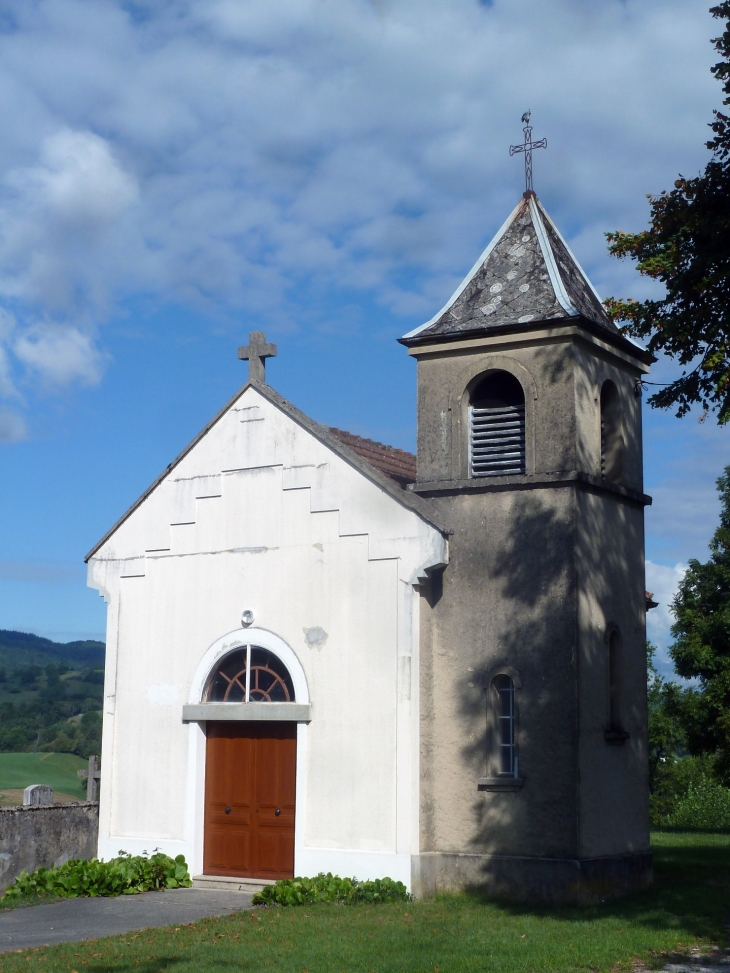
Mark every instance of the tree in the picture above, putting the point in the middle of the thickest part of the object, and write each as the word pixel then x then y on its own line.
pixel 687 248
pixel 701 649
pixel 666 733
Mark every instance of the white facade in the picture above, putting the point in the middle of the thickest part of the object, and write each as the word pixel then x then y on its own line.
pixel 265 512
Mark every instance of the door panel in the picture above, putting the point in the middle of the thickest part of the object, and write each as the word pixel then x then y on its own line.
pixel 250 775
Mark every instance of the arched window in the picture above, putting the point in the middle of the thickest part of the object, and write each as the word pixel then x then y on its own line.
pixel 612 440
pixel 497 426
pixel 615 732
pixel 614 681
pixel 503 699
pixel 250 675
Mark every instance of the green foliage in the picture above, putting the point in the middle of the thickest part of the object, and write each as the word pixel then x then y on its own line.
pixel 687 249
pixel 702 644
pixel 22 648
pixel 52 708
pixel 679 778
pixel 706 805
pixel 684 791
pixel 125 875
pixel 331 888
pixel 666 732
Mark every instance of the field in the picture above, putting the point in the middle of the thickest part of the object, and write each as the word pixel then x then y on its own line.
pixel 688 906
pixel 58 770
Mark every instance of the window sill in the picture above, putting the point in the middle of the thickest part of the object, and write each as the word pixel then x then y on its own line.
pixel 615 737
pixel 500 783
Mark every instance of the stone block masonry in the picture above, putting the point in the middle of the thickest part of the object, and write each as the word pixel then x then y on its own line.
pixel 36 837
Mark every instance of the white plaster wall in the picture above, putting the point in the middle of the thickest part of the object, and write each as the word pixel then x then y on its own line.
pixel 262 515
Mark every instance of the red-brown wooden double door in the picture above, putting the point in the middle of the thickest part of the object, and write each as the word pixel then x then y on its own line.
pixel 250 778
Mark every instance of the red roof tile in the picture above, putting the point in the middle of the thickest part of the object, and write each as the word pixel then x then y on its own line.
pixel 395 463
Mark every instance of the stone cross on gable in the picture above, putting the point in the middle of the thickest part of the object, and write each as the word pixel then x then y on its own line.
pixel 255 353
pixel 93 774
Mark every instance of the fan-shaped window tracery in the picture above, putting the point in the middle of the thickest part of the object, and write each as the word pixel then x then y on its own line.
pixel 251 675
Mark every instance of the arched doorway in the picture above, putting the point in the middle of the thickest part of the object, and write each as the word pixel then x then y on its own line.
pixel 250 775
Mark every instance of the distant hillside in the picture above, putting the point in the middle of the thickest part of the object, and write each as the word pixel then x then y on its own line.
pixel 23 649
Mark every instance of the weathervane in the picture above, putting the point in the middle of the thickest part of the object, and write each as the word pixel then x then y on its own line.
pixel 527 148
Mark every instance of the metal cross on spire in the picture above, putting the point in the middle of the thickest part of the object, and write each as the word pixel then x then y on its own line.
pixel 255 353
pixel 527 148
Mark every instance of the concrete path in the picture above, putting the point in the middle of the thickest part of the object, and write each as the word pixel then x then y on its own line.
pixel 71 920
pixel 709 964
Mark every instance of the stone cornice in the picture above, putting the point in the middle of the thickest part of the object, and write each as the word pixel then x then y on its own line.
pixel 533 481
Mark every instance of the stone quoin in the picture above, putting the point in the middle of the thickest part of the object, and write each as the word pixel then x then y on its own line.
pixel 323 655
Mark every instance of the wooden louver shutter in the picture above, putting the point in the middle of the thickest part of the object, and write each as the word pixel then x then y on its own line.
pixel 497 440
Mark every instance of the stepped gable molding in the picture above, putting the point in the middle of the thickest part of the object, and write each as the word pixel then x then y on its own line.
pixel 389 468
pixel 526 276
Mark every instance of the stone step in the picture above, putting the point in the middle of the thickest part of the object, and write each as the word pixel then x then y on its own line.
pixel 230 883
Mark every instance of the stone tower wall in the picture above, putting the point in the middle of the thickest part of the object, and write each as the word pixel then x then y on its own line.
pixel 541 566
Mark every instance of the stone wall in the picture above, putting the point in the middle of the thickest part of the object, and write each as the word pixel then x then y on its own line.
pixel 35 837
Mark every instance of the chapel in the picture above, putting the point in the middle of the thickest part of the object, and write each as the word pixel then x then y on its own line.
pixel 328 655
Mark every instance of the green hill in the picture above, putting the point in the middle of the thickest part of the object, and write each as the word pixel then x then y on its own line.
pixel 50 695
pixel 57 770
pixel 23 649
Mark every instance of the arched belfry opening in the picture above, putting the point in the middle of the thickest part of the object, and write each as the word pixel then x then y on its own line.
pixel 497 426
pixel 612 440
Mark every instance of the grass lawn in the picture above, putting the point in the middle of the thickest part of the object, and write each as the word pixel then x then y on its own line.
pixel 58 770
pixel 688 906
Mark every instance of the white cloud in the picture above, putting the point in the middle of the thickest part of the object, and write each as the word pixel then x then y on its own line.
pixel 683 460
pixel 78 180
pixel 56 220
pixel 44 572
pixel 7 327
pixel 262 154
pixel 59 354
pixel 12 427
pixel 663 580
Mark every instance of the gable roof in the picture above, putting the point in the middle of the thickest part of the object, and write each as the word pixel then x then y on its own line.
pixel 395 463
pixel 372 468
pixel 527 274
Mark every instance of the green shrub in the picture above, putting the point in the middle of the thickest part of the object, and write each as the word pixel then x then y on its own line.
pixel 705 805
pixel 672 781
pixel 331 888
pixel 125 875
pixel 688 794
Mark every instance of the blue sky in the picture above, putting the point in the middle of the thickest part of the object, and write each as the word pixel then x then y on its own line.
pixel 174 174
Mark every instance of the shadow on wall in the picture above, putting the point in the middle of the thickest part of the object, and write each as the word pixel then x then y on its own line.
pixel 554 564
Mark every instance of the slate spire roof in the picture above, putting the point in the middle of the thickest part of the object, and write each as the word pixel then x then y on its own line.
pixel 527 274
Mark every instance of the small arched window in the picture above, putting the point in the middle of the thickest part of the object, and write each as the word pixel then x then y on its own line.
pixel 615 732
pixel 503 699
pixel 612 440
pixel 497 426
pixel 614 681
pixel 250 675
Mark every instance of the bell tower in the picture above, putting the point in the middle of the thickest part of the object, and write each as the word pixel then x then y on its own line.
pixel 533 761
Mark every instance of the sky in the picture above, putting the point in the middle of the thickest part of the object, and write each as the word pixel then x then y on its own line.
pixel 175 173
